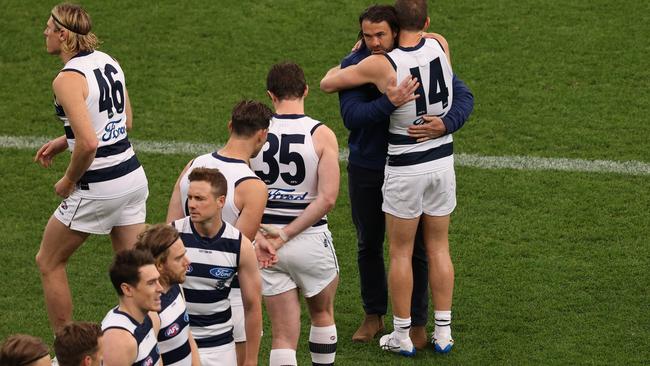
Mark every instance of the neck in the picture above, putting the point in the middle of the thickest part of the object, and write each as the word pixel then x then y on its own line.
pixel 209 228
pixel 65 57
pixel 164 283
pixel 238 148
pixel 132 309
pixel 409 38
pixel 290 106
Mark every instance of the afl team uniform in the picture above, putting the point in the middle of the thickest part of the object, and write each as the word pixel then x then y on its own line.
pixel 142 332
pixel 113 191
pixel 235 171
pixel 419 176
pixel 174 334
pixel 214 262
pixel 288 164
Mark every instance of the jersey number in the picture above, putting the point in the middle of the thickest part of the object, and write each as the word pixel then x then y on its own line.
pixel 111 92
pixel 286 157
pixel 436 78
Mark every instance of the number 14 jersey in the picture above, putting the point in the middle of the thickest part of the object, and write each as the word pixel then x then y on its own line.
pixel 288 164
pixel 427 63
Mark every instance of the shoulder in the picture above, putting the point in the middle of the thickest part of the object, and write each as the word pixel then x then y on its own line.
pixel 440 39
pixel 355 57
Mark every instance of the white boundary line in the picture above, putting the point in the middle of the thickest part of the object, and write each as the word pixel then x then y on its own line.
pixel 469 160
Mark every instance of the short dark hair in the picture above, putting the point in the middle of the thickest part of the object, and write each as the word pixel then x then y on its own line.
pixel 157 239
pixel 377 14
pixel 75 341
pixel 250 116
pixel 212 176
pixel 286 80
pixel 411 14
pixel 126 267
pixel 22 350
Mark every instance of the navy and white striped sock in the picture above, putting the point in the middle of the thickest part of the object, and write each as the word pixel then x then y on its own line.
pixel 322 345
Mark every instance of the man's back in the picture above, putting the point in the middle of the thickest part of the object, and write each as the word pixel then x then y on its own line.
pixel 429 64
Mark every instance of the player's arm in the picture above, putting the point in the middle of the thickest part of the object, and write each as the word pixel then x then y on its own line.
pixel 455 118
pixel 196 360
pixel 371 70
pixel 128 111
pixel 327 150
pixel 251 290
pixel 70 89
pixel 175 208
pixel 250 199
pixel 45 155
pixel 120 348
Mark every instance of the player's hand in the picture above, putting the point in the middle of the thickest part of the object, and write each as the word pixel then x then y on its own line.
pixel 431 129
pixel 45 155
pixel 265 252
pixel 64 187
pixel 402 93
pixel 356 46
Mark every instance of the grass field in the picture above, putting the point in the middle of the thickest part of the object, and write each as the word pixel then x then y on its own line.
pixel 551 266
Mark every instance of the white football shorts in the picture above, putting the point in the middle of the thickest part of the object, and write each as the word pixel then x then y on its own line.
pixel 219 356
pixel 408 196
pixel 99 216
pixel 307 262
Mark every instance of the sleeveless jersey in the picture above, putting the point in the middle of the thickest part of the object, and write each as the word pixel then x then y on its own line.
pixel 173 337
pixel 235 171
pixel 115 171
pixel 288 164
pixel 428 63
pixel 143 333
pixel 214 262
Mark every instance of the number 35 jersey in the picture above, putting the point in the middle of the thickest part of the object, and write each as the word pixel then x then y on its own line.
pixel 427 63
pixel 115 171
pixel 288 164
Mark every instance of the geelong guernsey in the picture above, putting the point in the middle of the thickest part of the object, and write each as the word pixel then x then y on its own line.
pixel 143 333
pixel 288 164
pixel 173 337
pixel 214 262
pixel 235 171
pixel 428 63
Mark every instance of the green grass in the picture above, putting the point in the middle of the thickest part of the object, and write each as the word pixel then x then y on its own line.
pixel 551 267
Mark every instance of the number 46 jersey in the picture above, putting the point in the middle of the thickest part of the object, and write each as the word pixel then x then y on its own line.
pixel 427 63
pixel 288 164
pixel 115 171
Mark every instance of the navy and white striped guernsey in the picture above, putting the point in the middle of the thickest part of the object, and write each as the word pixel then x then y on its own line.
pixel 143 333
pixel 173 337
pixel 288 164
pixel 207 284
pixel 115 171
pixel 406 156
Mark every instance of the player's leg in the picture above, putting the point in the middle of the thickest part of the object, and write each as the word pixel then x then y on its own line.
pixel 401 234
pixel 364 187
pixel 58 244
pixel 323 337
pixel 284 311
pixel 420 299
pixel 441 277
pixel 124 237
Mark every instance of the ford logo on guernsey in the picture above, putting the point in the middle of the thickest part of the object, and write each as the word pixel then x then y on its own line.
pixel 172 330
pixel 111 131
pixel 222 273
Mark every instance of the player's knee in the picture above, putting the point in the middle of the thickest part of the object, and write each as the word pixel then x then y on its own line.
pixel 45 263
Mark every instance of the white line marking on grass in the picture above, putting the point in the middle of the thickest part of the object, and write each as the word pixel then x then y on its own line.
pixel 469 160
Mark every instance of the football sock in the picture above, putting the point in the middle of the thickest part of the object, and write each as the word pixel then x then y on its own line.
pixel 443 324
pixel 283 357
pixel 322 344
pixel 401 327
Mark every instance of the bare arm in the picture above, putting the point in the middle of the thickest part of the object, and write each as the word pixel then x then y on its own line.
pixel 70 89
pixel 175 208
pixel 251 290
pixel 45 155
pixel 250 199
pixel 372 69
pixel 128 111
pixel 196 360
pixel 120 348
